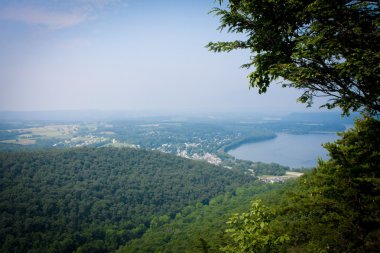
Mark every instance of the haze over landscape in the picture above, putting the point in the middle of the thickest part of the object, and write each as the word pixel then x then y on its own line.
pixel 134 55
pixel 127 126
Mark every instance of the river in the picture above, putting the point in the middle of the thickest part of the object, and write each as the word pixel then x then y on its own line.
pixel 290 150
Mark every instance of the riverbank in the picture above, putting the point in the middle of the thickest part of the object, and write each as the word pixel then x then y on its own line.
pixel 257 137
pixel 295 151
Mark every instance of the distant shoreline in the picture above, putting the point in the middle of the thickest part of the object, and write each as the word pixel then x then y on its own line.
pixel 291 150
pixel 246 140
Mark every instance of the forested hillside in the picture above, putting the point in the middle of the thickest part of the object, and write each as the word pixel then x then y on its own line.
pixel 199 228
pixel 94 200
pixel 131 184
pixel 324 49
pixel 332 208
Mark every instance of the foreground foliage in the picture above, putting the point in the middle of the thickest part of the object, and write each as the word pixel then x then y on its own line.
pixel 248 231
pixel 325 48
pixel 200 228
pixel 336 208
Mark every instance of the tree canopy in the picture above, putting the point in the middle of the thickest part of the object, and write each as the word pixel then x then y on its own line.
pixel 324 48
pixel 96 199
pixel 334 208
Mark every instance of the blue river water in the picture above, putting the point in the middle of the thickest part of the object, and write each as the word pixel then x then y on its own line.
pixel 291 150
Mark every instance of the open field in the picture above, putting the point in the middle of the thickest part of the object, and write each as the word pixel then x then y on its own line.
pixel 29 136
pixel 20 141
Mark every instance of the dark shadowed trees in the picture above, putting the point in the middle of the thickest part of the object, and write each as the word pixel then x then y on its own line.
pixel 325 48
pixel 329 49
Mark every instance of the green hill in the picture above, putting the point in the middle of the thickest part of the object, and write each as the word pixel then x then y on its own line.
pixel 94 200
pixel 200 228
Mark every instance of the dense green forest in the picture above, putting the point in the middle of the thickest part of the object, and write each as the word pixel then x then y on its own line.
pixel 94 200
pixel 324 49
pixel 201 228
pixel 333 208
pixel 134 200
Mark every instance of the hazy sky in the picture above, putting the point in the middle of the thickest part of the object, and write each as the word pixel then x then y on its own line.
pixel 122 55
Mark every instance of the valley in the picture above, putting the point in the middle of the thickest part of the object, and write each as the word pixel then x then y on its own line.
pixel 208 139
pixel 116 185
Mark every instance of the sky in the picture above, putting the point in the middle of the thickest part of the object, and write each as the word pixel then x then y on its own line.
pixel 123 55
